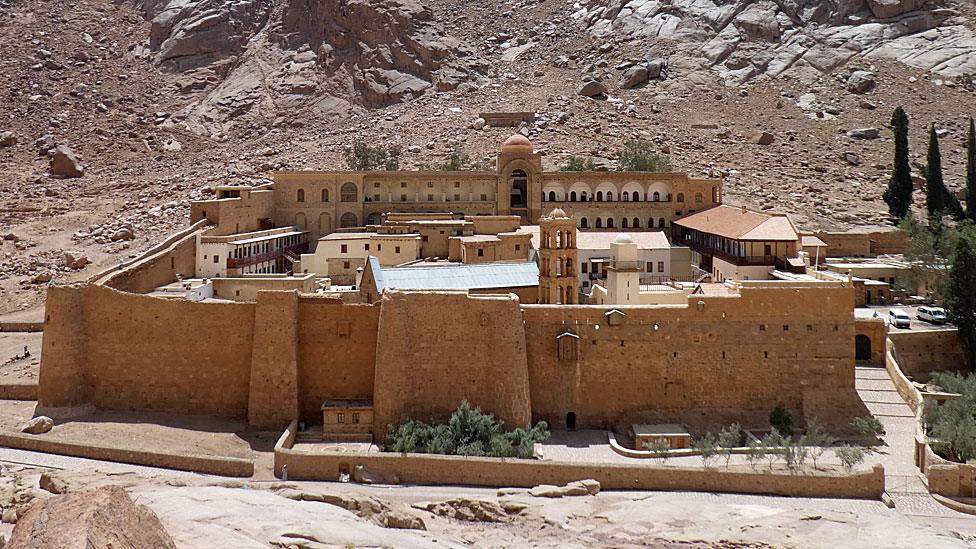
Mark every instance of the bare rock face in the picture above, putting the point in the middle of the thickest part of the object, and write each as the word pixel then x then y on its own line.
pixel 885 9
pixel 473 510
pixel 65 164
pixel 592 88
pixel 103 517
pixel 7 139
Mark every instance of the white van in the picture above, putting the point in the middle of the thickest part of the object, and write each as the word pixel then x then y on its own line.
pixel 935 315
pixel 899 319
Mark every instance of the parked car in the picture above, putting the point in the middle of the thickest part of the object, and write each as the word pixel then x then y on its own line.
pixel 899 319
pixel 935 315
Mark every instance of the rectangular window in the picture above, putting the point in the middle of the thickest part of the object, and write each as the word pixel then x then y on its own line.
pixel 484 198
pixel 430 198
pixel 376 185
pixel 345 265
pixel 379 247
pixel 403 184
pixel 583 267
pixel 376 198
pixel 767 249
pixel 396 249
pixel 649 268
pixel 762 327
pixel 660 266
pixel 457 198
pixel 430 184
pixel 786 327
pixel 518 247
pixel 424 238
pixel 481 253
pixel 457 184
pixel 216 259
pixel 355 417
pixel 403 198
pixel 343 248
pixel 366 246
pixel 340 417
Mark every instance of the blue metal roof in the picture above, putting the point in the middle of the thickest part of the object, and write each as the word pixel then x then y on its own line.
pixel 455 277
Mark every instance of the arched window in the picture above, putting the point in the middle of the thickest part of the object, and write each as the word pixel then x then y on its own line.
pixel 325 195
pixel 583 223
pixel 348 193
pixel 520 184
pixel 625 197
pixel 301 195
pixel 609 196
pixel 572 196
pixel 662 223
pixel 681 197
pixel 569 268
pixel 348 219
pixel 583 196
pixel 698 197
pixel 656 197
pixel 609 222
pixel 599 196
pixel 636 196
pixel 637 223
pixel 599 223
pixel 623 223
pixel 650 223
pixel 552 196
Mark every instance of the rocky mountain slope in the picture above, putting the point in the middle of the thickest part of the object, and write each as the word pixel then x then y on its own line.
pixel 158 100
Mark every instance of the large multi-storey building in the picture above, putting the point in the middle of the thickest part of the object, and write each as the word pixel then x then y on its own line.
pixel 322 202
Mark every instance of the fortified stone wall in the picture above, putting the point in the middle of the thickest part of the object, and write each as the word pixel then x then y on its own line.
pixel 767 348
pixel 156 269
pixel 920 353
pixel 435 349
pixel 336 352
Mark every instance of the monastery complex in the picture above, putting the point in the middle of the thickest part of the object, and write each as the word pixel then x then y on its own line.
pixel 353 300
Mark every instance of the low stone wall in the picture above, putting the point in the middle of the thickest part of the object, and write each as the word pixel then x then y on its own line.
pixel 478 471
pixel 224 466
pixel 22 326
pixel 905 389
pixel 17 391
pixel 946 477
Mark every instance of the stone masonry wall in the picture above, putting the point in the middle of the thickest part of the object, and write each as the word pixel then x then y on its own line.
pixel 752 353
pixel 433 350
pixel 336 353
pixel 273 389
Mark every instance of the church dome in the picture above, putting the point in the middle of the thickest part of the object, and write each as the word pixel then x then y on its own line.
pixel 623 238
pixel 558 213
pixel 517 141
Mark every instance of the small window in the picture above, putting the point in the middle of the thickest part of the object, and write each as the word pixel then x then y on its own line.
pixel 765 354
pixel 457 198
pixel 376 185
pixel 403 198
pixel 366 246
pixel 484 197
pixel 376 198
pixel 396 249
pixel 340 417
pixel 518 247
pixel 583 267
pixel 216 259
pixel 762 327
pixel 809 327
pixel 355 417
pixel 424 238
pixel 345 265
pixel 430 198
pixel 786 327
pixel 481 252
pixel 649 267
pixel 457 184
pixel 403 184
pixel 430 184
pixel 379 247
pixel 343 248
pixel 660 266
pixel 301 195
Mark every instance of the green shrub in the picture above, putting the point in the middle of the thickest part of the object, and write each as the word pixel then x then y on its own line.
pixel 756 453
pixel 660 449
pixel 772 445
pixel 639 156
pixel 728 438
pixel 363 158
pixel 707 447
pixel 868 426
pixel 849 456
pixel 781 420
pixel 455 162
pixel 952 425
pixel 469 432
pixel 577 164
pixel 818 440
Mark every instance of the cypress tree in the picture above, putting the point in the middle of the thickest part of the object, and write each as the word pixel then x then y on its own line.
pixel 935 189
pixel 971 171
pixel 898 195
pixel 960 296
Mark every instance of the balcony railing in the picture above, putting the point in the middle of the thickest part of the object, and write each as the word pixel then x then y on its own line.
pixel 740 260
pixel 273 255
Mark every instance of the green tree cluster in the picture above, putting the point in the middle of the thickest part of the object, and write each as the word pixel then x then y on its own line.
pixel 959 292
pixel 781 421
pixel 898 195
pixel 469 432
pixel 971 172
pixel 952 425
pixel 577 164
pixel 363 158
pixel 638 155
pixel 938 199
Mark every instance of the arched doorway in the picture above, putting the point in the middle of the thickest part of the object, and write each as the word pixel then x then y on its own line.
pixel 520 184
pixel 348 219
pixel 571 421
pixel 584 224
pixel 862 347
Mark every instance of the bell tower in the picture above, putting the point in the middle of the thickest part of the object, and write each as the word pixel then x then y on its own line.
pixel 558 278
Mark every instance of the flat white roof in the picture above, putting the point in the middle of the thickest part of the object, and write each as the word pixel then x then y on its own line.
pixel 660 429
pixel 265 237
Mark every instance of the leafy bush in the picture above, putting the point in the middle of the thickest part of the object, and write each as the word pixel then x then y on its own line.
pixel 707 448
pixel 660 449
pixel 818 440
pixel 849 456
pixel 469 432
pixel 456 161
pixel 363 158
pixel 639 156
pixel 756 453
pixel 728 438
pixel 577 164
pixel 952 425
pixel 781 420
pixel 868 426
pixel 772 445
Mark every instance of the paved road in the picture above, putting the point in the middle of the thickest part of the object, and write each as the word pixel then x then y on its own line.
pixel 902 480
pixel 912 311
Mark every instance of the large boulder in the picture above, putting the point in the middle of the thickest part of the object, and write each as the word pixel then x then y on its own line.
pixel 759 137
pixel 885 9
pixel 64 163
pixel 7 139
pixel 864 133
pixel 38 425
pixel 592 88
pixel 634 76
pixel 103 517
pixel 860 82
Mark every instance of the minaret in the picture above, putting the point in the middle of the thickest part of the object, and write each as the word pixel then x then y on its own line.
pixel 558 274
pixel 623 274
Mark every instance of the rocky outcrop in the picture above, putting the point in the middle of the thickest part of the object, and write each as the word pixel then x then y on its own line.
pixel 103 517
pixel 65 164
pixel 748 39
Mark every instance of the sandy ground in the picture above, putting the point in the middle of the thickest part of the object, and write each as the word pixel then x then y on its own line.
pixel 14 367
